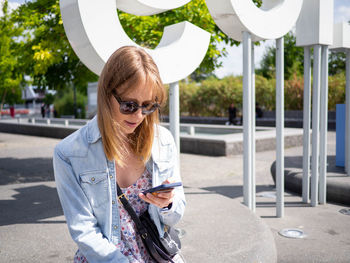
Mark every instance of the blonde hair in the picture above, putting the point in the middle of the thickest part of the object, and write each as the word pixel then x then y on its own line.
pixel 127 68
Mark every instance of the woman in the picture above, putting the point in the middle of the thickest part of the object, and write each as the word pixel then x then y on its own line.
pixel 121 145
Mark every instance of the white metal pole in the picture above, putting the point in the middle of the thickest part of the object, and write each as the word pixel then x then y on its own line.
pixel 174 116
pixel 306 125
pixel 247 131
pixel 315 125
pixel 253 131
pixel 323 125
pixel 347 114
pixel 279 127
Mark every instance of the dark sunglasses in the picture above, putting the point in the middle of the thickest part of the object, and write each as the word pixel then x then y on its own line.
pixel 130 107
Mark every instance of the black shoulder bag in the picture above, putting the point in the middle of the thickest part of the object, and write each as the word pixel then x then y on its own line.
pixel 160 249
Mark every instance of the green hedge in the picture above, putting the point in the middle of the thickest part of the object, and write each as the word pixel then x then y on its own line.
pixel 212 96
pixel 336 90
pixel 64 103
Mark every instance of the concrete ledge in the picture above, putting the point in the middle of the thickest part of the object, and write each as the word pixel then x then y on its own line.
pixel 220 229
pixel 292 119
pixel 232 144
pixel 63 121
pixel 338 183
pixel 53 131
pixel 212 140
pixel 291 123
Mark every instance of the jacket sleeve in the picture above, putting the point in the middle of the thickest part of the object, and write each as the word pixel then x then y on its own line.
pixel 173 215
pixel 81 222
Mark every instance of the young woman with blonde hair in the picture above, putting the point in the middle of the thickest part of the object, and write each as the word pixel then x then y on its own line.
pixel 122 145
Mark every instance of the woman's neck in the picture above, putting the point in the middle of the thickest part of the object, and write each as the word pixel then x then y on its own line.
pixel 132 169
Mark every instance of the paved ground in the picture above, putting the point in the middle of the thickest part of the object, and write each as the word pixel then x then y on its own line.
pixel 32 226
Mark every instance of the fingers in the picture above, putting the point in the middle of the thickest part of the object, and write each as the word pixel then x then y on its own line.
pixel 169 181
pixel 161 200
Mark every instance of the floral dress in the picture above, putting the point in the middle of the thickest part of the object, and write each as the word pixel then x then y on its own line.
pixel 131 244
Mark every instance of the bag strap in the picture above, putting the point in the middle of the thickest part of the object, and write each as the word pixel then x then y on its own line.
pixel 123 199
pixel 154 249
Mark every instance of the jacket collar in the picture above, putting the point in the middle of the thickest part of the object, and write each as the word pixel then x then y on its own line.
pixel 93 132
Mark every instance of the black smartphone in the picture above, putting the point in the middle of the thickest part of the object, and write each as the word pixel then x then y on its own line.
pixel 162 188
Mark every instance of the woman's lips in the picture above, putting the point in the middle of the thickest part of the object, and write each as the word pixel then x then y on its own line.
pixel 131 124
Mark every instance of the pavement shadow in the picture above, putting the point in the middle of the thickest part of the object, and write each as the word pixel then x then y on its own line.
pixel 27 170
pixel 32 204
pixel 234 191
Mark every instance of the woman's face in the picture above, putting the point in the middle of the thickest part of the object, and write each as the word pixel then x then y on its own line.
pixel 141 95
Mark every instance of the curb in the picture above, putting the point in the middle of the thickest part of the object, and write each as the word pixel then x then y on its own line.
pixel 338 183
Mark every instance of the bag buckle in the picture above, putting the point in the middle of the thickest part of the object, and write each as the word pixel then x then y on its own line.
pixel 121 196
pixel 144 235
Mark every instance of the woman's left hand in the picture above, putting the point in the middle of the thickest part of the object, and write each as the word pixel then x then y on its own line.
pixel 161 199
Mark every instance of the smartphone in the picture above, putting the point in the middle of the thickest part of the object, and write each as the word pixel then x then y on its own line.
pixel 162 188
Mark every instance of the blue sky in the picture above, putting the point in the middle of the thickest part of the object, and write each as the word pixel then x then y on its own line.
pixel 232 64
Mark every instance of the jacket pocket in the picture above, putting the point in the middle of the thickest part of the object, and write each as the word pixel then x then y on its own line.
pixel 95 186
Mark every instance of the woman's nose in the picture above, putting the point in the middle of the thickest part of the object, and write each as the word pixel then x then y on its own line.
pixel 138 113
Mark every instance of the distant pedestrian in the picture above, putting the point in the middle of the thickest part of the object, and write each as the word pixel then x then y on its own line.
pixel 43 109
pixel 232 113
pixel 12 111
pixel 258 111
pixel 47 110
pixel 54 112
pixel 122 146
pixel 79 113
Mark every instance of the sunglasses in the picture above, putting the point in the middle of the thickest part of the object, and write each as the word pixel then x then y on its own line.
pixel 130 107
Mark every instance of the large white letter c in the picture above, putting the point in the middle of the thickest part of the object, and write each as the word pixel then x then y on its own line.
pixel 94 31
pixel 273 20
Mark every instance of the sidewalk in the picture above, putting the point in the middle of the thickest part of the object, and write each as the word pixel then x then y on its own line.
pixel 328 231
pixel 32 227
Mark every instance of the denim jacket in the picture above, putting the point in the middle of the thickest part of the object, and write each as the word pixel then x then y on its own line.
pixel 86 186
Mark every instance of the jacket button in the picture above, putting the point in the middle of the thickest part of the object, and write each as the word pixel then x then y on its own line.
pixel 93 179
pixel 113 202
pixel 115 227
pixel 111 176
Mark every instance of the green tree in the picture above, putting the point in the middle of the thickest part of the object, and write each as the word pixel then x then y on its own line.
pixel 48 57
pixel 336 63
pixel 293 59
pixel 148 30
pixel 51 62
pixel 10 76
pixel 64 103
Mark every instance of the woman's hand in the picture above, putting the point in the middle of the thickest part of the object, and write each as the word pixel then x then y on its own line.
pixel 161 199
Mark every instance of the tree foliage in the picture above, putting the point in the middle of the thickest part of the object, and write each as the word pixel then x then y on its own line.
pixel 212 97
pixel 337 62
pixel 294 60
pixel 51 62
pixel 10 76
pixel 148 30
pixel 64 103
pixel 47 55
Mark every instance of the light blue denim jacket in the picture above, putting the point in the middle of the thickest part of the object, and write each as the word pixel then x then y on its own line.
pixel 86 185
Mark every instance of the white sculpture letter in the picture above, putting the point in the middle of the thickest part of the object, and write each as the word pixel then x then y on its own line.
pixel 273 20
pixel 341 37
pixel 94 32
pixel 315 23
pixel 149 7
